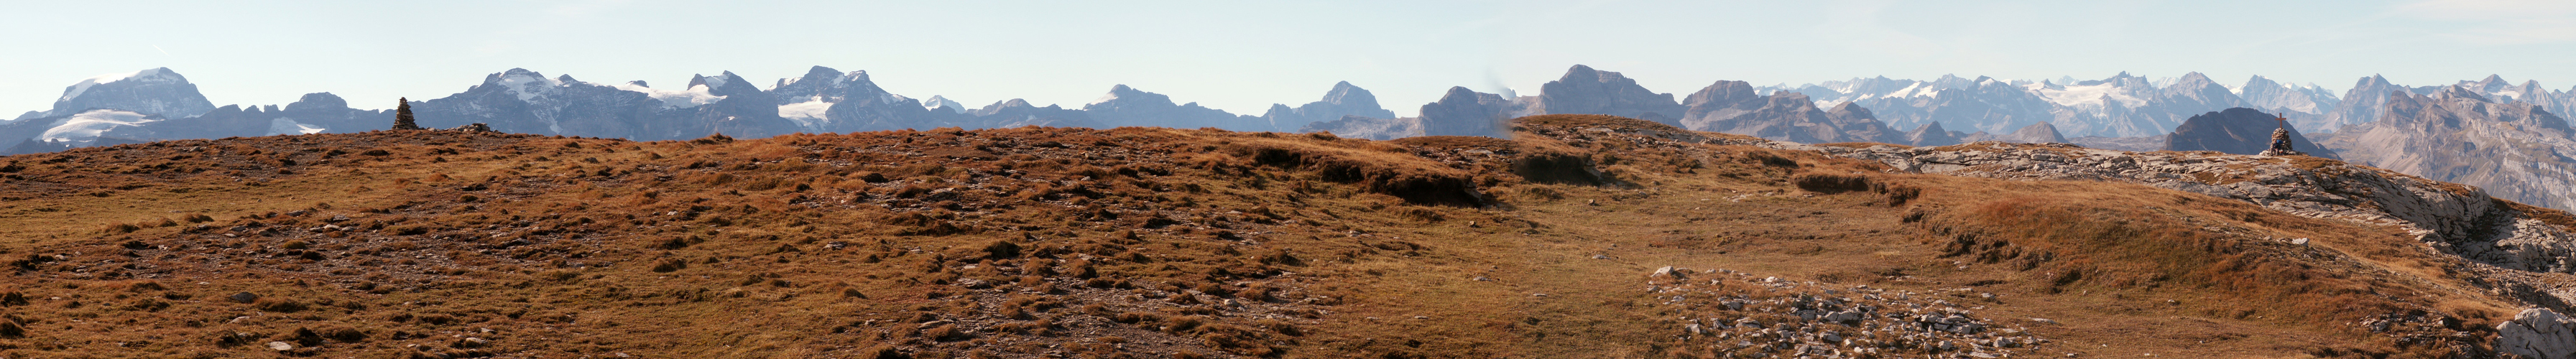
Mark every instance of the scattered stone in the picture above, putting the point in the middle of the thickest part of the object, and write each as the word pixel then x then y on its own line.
pixel 243 297
pixel 473 127
pixel 280 346
pixel 1672 273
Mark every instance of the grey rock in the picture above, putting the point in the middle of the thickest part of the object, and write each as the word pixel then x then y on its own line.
pixel 2537 333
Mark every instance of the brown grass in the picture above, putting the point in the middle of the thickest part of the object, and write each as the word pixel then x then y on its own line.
pixel 1104 243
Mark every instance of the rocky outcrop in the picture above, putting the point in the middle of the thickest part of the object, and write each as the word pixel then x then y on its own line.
pixel 156 91
pixel 2132 144
pixel 2516 151
pixel 1464 112
pixel 1344 100
pixel 1584 90
pixel 1732 309
pixel 2537 334
pixel 2242 131
pixel 2456 219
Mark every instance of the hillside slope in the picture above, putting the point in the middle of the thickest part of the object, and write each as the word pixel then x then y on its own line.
pixel 1586 236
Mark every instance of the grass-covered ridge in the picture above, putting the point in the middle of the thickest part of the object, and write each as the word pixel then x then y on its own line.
pixel 1133 242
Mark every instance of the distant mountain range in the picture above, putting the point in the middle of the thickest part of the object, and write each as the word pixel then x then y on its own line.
pixel 2487 132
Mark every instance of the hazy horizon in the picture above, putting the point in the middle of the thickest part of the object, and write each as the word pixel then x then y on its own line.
pixel 1243 57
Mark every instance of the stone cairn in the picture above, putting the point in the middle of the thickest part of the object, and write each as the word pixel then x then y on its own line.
pixel 2281 140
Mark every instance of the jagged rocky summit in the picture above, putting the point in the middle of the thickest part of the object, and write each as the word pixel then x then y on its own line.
pixel 2512 149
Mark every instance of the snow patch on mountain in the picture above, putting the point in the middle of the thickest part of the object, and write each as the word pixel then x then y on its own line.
pixel 2092 95
pixel 693 97
pixel 807 114
pixel 935 102
pixel 529 87
pixel 158 74
pixel 286 126
pixel 86 126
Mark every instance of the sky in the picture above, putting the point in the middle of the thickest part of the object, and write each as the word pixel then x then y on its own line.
pixel 1242 56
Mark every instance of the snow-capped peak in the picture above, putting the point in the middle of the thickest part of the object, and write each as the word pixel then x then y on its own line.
pixel 157 74
pixel 1111 96
pixel 935 102
pixel 528 85
pixel 692 97
pixel 717 82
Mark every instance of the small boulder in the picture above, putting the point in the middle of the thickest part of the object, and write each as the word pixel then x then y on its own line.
pixel 1672 273
pixel 2537 333
pixel 243 297
pixel 280 346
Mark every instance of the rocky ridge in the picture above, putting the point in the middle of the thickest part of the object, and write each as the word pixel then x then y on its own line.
pixel 2517 151
pixel 2520 250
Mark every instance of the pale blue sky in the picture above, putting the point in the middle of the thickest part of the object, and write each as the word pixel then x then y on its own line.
pixel 1242 56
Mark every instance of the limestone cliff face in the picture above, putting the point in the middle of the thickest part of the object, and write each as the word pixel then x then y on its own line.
pixel 2515 150
pixel 1584 90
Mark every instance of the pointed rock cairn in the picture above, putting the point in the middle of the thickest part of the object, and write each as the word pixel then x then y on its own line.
pixel 2281 140
pixel 402 116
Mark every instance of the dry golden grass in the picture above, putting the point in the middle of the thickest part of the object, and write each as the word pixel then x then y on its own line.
pixel 1131 242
